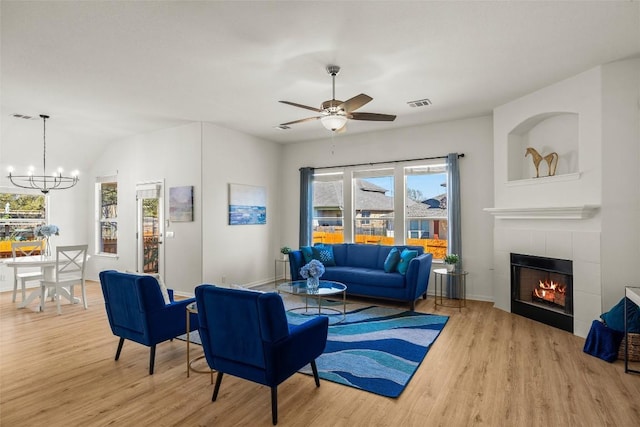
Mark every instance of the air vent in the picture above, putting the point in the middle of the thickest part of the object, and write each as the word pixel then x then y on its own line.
pixel 420 103
pixel 24 117
pixel 282 127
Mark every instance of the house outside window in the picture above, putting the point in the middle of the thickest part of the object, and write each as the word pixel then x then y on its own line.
pixel 375 203
pixel 107 215
pixel 20 214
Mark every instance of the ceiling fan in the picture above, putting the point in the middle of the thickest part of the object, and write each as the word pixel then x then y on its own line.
pixel 335 113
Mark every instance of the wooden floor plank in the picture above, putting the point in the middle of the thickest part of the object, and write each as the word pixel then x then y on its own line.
pixel 487 368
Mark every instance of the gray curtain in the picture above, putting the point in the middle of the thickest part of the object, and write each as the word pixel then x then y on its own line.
pixel 306 206
pixel 454 217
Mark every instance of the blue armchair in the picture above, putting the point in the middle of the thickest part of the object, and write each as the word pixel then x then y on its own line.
pixel 246 334
pixel 137 311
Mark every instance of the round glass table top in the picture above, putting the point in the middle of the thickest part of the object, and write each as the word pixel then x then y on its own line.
pixel 325 287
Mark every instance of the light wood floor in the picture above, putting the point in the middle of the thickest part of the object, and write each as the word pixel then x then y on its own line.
pixel 487 368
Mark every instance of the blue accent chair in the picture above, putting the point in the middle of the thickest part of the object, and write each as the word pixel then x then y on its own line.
pixel 137 311
pixel 246 334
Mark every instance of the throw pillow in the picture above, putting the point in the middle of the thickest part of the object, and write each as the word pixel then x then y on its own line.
pixel 161 285
pixel 392 260
pixel 614 318
pixel 324 254
pixel 307 253
pixel 405 258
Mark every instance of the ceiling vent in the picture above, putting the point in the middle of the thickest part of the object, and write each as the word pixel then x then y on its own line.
pixel 23 116
pixel 420 103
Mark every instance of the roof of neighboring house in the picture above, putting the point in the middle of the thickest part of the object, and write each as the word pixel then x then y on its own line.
pixel 371 197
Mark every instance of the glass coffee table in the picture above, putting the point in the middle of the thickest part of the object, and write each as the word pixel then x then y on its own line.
pixel 327 290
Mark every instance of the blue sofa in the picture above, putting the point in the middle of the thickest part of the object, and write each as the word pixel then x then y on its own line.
pixel 361 268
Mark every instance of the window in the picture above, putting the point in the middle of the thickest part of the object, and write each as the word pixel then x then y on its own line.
pixel 107 215
pixel 20 214
pixel 328 208
pixel 426 207
pixel 373 206
pixel 376 201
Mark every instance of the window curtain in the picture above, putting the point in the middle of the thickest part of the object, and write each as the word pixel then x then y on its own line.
pixel 454 217
pixel 306 206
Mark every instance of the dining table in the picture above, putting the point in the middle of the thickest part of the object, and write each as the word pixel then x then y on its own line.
pixel 48 265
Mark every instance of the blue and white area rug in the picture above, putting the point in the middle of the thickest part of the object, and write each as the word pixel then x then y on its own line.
pixel 376 349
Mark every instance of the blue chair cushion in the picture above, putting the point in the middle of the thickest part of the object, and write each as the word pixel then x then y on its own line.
pixel 405 258
pixel 392 260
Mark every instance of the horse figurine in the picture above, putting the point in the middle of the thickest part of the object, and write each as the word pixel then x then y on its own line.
pixel 551 159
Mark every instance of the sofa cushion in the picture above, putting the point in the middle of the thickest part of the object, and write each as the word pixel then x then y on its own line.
pixel 392 260
pixel 405 258
pixel 364 256
pixel 324 254
pixel 364 276
pixel 307 253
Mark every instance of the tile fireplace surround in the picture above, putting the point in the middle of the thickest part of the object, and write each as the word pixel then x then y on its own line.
pixel 552 235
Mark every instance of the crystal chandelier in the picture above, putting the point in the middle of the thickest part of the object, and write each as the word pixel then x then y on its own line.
pixel 44 182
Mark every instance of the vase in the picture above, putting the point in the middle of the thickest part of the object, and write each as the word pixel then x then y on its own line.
pixel 47 247
pixel 450 267
pixel 312 285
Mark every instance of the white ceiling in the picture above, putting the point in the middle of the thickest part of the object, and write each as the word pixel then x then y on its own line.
pixel 107 70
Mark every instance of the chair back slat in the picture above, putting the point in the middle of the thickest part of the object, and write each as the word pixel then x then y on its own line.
pixel 20 249
pixel 71 260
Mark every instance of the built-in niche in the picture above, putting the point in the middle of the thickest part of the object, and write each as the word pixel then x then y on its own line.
pixel 546 133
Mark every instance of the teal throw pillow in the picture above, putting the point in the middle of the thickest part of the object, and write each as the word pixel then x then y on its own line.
pixel 405 258
pixel 614 318
pixel 307 254
pixel 324 254
pixel 392 260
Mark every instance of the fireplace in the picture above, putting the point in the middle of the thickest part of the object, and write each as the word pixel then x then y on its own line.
pixel 542 290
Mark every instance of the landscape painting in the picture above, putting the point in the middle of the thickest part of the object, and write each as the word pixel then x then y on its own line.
pixel 247 204
pixel 181 204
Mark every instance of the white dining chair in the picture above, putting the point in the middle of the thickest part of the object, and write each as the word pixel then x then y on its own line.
pixel 20 249
pixel 69 272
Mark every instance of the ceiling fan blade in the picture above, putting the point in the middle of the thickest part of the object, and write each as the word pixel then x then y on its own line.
pixel 354 103
pixel 302 106
pixel 373 117
pixel 308 119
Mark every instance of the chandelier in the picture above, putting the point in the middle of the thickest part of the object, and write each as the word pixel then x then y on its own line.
pixel 44 182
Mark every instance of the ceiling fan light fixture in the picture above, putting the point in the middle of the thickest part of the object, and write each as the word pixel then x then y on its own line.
pixel 333 122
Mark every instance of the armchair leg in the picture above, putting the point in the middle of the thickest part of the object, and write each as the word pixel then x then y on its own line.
pixel 314 368
pixel 424 296
pixel 152 359
pixel 217 386
pixel 274 404
pixel 119 348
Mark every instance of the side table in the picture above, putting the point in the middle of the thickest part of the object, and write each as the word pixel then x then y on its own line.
pixel 193 309
pixel 285 264
pixel 457 282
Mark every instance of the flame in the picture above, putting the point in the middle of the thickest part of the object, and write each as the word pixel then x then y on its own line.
pixel 551 286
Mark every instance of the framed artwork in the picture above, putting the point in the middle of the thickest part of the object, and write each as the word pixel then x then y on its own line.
pixel 247 204
pixel 181 204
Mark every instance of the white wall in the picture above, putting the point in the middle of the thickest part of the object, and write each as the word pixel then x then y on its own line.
pixel 621 178
pixel 172 155
pixel 238 254
pixel 473 137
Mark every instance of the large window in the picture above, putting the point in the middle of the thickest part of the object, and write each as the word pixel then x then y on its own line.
pixel 107 215
pixel 328 208
pixel 20 215
pixel 413 193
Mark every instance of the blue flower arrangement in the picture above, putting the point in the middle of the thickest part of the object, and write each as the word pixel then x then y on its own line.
pixel 313 269
pixel 46 230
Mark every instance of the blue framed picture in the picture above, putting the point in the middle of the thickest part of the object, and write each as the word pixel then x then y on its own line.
pixel 247 205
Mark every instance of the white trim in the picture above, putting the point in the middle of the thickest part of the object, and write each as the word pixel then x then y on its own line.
pixel 566 212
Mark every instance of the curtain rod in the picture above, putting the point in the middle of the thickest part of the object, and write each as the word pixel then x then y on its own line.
pixel 384 163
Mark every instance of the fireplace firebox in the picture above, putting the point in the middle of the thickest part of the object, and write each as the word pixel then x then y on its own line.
pixel 542 290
